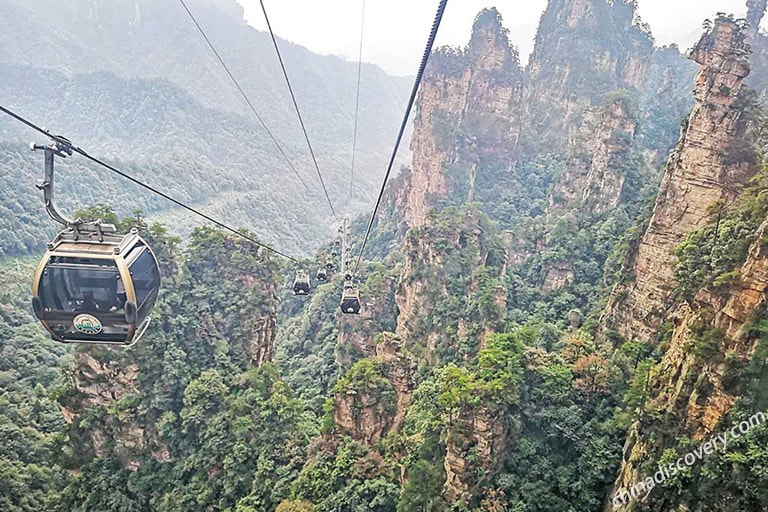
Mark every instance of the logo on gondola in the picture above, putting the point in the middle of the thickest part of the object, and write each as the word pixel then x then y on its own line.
pixel 87 324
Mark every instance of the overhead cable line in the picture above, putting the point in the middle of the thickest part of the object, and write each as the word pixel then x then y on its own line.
pixel 95 160
pixel 245 96
pixel 357 102
pixel 296 106
pixel 414 91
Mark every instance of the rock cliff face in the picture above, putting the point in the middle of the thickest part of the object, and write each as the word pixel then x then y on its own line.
pixel 605 110
pixel 451 265
pixel 466 96
pixel 450 299
pixel 479 115
pixel 100 383
pixel 482 126
pixel 256 328
pixel 744 299
pixel 481 433
pixel 683 385
pixel 693 386
pixel 704 170
pixel 571 68
pixel 594 175
pixel 369 405
pixel 260 329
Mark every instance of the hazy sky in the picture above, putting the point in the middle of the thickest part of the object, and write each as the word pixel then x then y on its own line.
pixel 396 30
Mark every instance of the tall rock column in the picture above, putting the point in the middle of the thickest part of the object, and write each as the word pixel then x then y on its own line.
pixel 475 91
pixel 594 175
pixel 701 172
pixel 571 70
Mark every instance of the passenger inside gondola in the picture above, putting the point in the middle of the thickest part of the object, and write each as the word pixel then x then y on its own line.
pixel 120 296
pixel 88 304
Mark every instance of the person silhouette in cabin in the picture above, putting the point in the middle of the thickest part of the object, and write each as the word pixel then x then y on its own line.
pixel 88 304
pixel 120 296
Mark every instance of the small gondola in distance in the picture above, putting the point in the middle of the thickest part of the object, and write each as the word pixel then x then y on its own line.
pixel 301 284
pixel 350 299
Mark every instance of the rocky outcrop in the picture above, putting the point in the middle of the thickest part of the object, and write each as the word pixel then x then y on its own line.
pixel 610 147
pixel 727 313
pixel 480 430
pixel 400 370
pixel 595 173
pixel 571 70
pixel 701 391
pixel 261 346
pixel 100 382
pixel 479 434
pixel 259 328
pixel 702 172
pixel 103 381
pixel 477 110
pixel 694 385
pixel 373 398
pixel 452 264
pixel 557 275
pixel 362 415
pixel 750 292
pixel 466 117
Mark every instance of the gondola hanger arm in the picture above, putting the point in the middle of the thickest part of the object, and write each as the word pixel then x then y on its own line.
pixel 62 148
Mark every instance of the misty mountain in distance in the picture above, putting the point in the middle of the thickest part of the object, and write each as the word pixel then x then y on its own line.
pixel 135 82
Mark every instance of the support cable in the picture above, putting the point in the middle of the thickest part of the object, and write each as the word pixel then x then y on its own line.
pixel 296 106
pixel 357 102
pixel 245 96
pixel 152 189
pixel 419 76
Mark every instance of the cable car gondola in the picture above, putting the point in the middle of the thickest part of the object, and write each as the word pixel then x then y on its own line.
pixel 93 285
pixel 322 274
pixel 350 299
pixel 301 283
pixel 97 291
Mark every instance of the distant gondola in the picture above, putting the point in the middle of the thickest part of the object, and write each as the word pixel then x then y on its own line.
pixel 350 299
pixel 301 283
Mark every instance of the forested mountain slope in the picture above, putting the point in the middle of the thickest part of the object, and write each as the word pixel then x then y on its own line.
pixel 565 289
pixel 135 82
